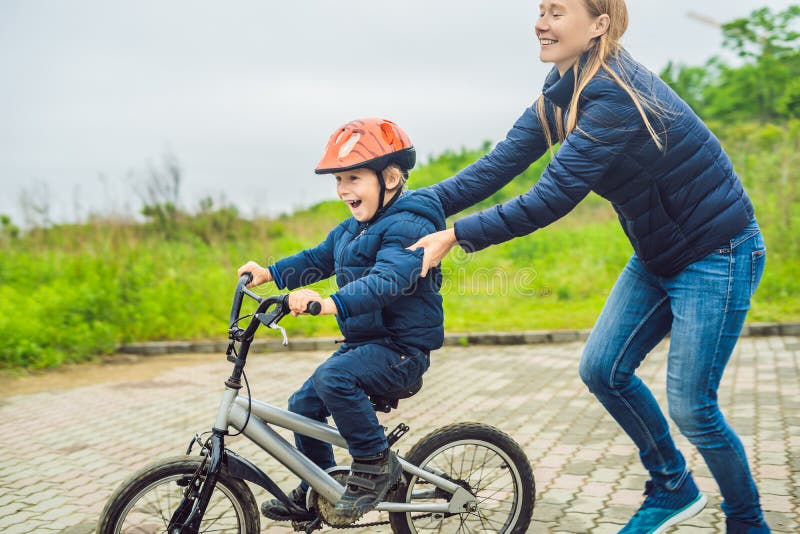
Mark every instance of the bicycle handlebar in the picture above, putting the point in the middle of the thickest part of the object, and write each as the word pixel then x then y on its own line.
pixel 264 303
pixel 236 307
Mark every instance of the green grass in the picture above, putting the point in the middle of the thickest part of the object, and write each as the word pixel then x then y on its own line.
pixel 69 293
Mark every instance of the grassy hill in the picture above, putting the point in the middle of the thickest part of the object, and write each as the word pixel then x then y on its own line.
pixel 72 292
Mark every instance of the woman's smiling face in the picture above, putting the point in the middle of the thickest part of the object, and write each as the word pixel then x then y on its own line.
pixel 565 30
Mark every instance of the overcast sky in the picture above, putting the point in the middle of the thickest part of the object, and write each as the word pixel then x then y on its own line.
pixel 245 93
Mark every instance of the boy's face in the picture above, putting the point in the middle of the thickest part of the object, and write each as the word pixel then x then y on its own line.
pixel 360 190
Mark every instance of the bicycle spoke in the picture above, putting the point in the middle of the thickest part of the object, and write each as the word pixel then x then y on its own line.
pixel 487 475
pixel 153 510
pixel 490 520
pixel 486 452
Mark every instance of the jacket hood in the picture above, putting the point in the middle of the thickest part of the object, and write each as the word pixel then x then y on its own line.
pixel 421 202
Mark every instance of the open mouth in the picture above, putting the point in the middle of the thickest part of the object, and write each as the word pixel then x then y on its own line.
pixel 546 42
pixel 353 203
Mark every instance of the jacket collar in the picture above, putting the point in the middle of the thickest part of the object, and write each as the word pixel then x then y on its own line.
pixel 559 89
pixel 381 212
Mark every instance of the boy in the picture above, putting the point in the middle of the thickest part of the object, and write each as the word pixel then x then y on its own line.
pixel 390 318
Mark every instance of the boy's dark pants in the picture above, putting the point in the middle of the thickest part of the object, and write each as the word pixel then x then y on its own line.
pixel 340 388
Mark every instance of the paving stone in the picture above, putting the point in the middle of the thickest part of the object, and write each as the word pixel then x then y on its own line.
pixel 11 508
pixel 576 522
pixel 586 505
pixel 557 496
pixel 588 475
pixel 606 528
pixel 632 498
pixel 547 512
pixel 15 520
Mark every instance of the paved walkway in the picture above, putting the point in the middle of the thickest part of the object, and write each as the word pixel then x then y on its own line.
pixel 63 451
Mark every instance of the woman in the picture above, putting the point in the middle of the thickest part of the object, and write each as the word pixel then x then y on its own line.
pixel 699 254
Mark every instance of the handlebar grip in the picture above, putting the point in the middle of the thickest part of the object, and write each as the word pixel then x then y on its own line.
pixel 312 308
pixel 236 307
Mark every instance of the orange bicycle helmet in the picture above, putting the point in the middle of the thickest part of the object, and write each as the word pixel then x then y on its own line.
pixel 372 142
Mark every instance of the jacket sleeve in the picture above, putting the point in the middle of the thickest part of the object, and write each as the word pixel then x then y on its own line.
pixel 306 267
pixel 607 122
pixel 523 145
pixel 395 273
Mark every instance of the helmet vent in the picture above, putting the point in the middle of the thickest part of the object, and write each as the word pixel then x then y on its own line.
pixel 348 146
pixel 388 133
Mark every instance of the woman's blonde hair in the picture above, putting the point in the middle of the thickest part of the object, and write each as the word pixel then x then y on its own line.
pixel 602 48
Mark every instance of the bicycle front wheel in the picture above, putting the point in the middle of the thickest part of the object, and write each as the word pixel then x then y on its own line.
pixel 144 503
pixel 483 460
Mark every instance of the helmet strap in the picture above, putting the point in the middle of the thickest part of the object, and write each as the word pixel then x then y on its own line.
pixel 382 184
pixel 381 206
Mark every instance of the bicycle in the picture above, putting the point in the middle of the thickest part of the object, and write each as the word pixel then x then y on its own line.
pixel 464 477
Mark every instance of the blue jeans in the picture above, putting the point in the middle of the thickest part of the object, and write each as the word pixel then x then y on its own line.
pixel 704 307
pixel 340 387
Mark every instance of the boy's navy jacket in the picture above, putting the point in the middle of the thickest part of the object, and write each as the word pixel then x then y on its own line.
pixel 675 206
pixel 381 297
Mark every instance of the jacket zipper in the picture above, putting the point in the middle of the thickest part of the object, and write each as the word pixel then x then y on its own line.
pixel 341 262
pixel 344 248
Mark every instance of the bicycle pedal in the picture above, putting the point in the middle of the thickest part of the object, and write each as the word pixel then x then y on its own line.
pixel 307 526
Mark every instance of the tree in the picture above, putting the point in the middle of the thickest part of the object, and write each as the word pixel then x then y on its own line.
pixel 689 82
pixel 764 34
pixel 763 87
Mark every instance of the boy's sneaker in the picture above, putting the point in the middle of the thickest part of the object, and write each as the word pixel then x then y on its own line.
pixel 277 511
pixel 733 526
pixel 369 480
pixel 663 509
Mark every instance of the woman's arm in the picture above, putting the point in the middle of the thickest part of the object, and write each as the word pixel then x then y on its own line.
pixel 606 124
pixel 435 247
pixel 524 144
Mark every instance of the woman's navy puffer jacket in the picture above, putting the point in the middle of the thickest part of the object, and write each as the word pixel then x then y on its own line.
pixel 676 206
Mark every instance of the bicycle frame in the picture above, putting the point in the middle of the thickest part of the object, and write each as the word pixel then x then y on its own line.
pixel 233 412
pixel 252 418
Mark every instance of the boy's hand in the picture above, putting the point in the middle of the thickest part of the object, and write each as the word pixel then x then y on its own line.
pixel 436 246
pixel 298 300
pixel 260 274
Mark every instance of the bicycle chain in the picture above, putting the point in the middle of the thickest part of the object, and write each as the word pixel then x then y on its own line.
pixel 372 524
pixel 358 525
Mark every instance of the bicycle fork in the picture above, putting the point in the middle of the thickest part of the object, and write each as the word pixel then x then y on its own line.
pixel 189 514
pixel 187 517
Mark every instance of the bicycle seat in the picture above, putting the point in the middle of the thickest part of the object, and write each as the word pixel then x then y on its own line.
pixel 389 399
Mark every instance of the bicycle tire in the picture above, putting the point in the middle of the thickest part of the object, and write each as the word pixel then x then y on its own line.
pixel 146 500
pixel 469 453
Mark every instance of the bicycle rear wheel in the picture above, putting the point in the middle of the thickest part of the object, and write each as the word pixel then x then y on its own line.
pixel 482 459
pixel 144 503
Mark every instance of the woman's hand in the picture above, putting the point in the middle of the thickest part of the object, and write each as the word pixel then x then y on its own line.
pixel 436 246
pixel 298 302
pixel 260 274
